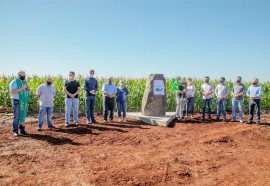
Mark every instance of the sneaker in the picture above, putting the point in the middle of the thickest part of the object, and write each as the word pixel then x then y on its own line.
pixel 217 119
pixel 249 122
pixel 95 122
pixel 76 123
pixel 25 133
pixel 111 120
pixel 52 127
pixel 15 134
pixel 39 129
pixel 89 122
pixel 66 124
pixel 241 121
pixel 105 121
pixel 258 123
pixel 233 120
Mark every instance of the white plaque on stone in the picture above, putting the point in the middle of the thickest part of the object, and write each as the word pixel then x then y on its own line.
pixel 159 88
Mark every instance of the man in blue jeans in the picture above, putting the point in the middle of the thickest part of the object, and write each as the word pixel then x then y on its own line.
pixel 238 92
pixel 19 90
pixel 207 90
pixel 46 93
pixel 255 93
pixel 221 92
pixel 109 91
pixel 90 87
pixel 72 90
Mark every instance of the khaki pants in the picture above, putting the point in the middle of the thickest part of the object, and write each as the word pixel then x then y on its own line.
pixel 180 105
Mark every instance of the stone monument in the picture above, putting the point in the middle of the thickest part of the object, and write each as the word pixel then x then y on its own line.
pixel 154 100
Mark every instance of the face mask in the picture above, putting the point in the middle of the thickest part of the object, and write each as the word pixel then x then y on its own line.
pixel 238 81
pixel 49 83
pixel 254 83
pixel 22 78
pixel 206 81
pixel 221 81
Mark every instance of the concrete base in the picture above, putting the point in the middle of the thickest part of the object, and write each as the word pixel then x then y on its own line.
pixel 153 120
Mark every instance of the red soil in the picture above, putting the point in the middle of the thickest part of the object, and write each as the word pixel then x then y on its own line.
pixel 190 153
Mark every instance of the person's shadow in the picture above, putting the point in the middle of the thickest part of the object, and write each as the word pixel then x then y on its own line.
pixel 53 140
pixel 73 129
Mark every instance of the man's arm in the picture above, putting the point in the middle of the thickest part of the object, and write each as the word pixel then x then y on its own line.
pixel 114 93
pixel 66 91
pixel 248 92
pixel 96 86
pixel 25 86
pixel 85 85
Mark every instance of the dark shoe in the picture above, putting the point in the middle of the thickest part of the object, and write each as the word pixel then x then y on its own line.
pixel 25 133
pixel 111 120
pixel 39 129
pixel 224 120
pixel 95 122
pixel 249 122
pixel 217 119
pixel 233 120
pixel 258 123
pixel 53 127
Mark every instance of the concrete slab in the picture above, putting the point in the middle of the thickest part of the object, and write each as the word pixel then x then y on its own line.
pixel 153 120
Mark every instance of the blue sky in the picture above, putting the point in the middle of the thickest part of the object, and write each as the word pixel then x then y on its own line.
pixel 136 38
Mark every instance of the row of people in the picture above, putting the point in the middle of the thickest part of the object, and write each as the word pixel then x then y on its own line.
pixel 186 94
pixel 20 92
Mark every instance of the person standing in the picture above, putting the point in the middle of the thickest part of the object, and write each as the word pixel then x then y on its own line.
pixel 238 92
pixel 255 93
pixel 90 87
pixel 221 92
pixel 191 89
pixel 207 90
pixel 72 90
pixel 46 93
pixel 109 91
pixel 121 100
pixel 177 96
pixel 19 90
pixel 181 98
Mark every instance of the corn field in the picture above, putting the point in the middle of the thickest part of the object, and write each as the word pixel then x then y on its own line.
pixel 136 88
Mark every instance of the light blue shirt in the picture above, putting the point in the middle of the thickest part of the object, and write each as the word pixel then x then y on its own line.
pixel 13 86
pixel 255 90
pixel 110 88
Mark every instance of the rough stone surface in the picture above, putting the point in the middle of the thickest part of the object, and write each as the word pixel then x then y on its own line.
pixel 154 105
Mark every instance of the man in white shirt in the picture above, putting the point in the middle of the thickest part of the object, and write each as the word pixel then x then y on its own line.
pixel 207 90
pixel 46 93
pixel 221 92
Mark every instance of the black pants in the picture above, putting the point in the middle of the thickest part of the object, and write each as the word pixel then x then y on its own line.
pixel 108 105
pixel 257 105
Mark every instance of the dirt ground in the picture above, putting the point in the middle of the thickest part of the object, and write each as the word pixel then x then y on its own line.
pixel 190 153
